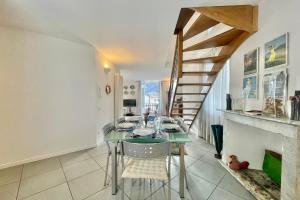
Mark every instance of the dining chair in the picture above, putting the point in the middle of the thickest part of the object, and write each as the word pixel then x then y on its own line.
pixel 184 126
pixel 106 130
pixel 121 120
pixel 146 161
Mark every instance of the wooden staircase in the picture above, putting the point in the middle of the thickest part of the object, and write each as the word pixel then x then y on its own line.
pixel 186 97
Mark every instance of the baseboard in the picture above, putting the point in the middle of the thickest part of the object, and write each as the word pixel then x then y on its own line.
pixel 45 156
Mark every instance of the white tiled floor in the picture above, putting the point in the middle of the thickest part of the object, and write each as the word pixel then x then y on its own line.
pixel 80 176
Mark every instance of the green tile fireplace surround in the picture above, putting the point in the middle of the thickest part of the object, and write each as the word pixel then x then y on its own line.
pixel 283 130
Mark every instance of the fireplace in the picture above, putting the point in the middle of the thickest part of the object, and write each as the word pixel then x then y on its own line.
pixel 248 137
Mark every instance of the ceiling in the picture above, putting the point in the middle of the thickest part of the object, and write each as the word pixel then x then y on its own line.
pixel 135 35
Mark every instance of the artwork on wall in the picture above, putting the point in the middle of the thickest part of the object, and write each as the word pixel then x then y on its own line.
pixel 251 62
pixel 276 52
pixel 274 95
pixel 250 87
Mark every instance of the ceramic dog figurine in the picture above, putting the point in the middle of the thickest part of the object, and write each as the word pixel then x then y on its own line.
pixel 235 164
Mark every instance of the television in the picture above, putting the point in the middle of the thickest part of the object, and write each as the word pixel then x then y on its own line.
pixel 129 103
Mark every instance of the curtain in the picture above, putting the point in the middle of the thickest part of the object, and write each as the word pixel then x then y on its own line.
pixel 215 101
pixel 164 89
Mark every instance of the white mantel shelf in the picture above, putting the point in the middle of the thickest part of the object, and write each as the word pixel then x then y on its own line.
pixel 250 144
pixel 283 126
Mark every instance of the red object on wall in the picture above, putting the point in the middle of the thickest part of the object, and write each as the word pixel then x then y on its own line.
pixel 107 89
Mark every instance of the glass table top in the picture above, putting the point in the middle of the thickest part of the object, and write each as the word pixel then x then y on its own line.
pixel 179 137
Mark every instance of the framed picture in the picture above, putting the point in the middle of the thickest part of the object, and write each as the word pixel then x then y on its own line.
pixel 251 62
pixel 250 87
pixel 276 52
pixel 274 95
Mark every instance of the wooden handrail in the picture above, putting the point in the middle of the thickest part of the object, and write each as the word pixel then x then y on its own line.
pixel 176 69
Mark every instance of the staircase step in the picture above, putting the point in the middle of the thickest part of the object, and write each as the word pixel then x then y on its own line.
pixel 185 108
pixel 187 93
pixel 201 24
pixel 194 84
pixel 222 39
pixel 199 73
pixel 213 59
pixel 187 102
pixel 184 114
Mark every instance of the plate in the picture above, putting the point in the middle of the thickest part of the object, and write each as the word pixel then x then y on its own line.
pixel 143 131
pixel 126 125
pixel 170 126
pixel 133 118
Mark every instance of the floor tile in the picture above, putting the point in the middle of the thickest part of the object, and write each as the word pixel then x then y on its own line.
pixel 162 194
pixel 220 194
pixel 60 192
pixel 198 188
pixel 71 158
pixel 35 184
pixel 229 184
pixel 99 150
pixel 101 159
pixel 87 185
pixel 9 191
pixel 138 189
pixel 40 167
pixel 80 168
pixel 10 175
pixel 188 160
pixel 106 195
pixel 210 159
pixel 211 173
pixel 175 169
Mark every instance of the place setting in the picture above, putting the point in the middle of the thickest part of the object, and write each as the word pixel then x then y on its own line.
pixel 170 128
pixel 126 126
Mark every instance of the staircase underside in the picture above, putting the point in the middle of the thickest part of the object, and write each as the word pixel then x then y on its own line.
pixel 189 87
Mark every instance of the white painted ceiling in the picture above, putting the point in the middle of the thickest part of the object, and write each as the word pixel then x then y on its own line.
pixel 135 35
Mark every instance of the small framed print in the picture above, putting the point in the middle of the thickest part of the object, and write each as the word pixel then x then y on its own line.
pixel 251 62
pixel 276 52
pixel 250 87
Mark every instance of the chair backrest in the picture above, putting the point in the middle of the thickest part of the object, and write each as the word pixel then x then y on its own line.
pixel 185 127
pixel 179 120
pixel 121 120
pixel 108 128
pixel 146 150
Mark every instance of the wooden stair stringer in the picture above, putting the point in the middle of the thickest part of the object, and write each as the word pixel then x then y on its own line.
pixel 242 17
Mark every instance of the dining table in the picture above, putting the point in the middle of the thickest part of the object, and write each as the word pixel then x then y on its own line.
pixel 178 137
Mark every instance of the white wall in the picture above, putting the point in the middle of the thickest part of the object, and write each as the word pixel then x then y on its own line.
pixel 105 102
pixel 275 18
pixel 48 96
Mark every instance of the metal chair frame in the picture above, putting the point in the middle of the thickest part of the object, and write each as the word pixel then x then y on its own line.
pixel 146 151
pixel 106 130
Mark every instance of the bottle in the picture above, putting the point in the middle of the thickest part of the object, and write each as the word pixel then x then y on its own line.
pixel 228 102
